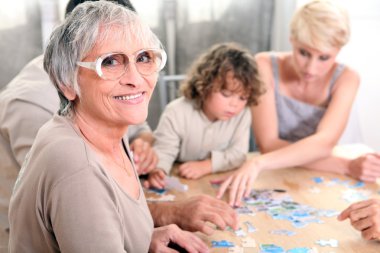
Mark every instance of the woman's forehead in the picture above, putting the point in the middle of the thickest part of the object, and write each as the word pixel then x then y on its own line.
pixel 322 51
pixel 117 39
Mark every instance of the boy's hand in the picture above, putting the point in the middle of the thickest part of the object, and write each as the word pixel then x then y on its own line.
pixel 195 169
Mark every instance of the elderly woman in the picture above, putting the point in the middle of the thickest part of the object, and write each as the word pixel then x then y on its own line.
pixel 78 190
pixel 308 100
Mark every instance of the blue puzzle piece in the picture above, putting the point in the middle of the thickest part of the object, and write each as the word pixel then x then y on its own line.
pixel 318 180
pixel 222 244
pixel 299 250
pixel 358 185
pixel 158 191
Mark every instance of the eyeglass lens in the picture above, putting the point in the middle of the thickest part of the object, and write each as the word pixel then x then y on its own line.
pixel 147 62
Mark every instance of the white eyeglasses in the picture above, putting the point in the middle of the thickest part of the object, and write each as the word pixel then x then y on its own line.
pixel 112 66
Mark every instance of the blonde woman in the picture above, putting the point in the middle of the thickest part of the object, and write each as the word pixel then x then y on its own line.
pixel 309 96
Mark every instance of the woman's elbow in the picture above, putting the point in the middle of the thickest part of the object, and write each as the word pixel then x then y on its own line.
pixel 266 147
pixel 326 151
pixel 326 148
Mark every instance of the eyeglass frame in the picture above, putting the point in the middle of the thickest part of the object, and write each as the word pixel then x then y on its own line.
pixel 97 64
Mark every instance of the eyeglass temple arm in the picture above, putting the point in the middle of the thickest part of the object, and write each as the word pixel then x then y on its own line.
pixel 89 65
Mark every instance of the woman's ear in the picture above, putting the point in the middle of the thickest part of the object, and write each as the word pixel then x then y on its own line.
pixel 68 92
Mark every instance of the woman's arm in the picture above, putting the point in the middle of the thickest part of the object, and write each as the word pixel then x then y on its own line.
pixel 304 152
pixel 314 151
pixel 82 212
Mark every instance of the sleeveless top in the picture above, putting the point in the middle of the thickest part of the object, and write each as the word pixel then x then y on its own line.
pixel 297 119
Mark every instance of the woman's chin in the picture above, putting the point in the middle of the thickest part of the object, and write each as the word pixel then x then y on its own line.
pixel 137 120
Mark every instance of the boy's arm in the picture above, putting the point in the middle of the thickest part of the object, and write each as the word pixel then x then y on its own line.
pixel 235 154
pixel 167 140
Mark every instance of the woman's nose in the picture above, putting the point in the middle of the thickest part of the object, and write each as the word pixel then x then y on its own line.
pixel 310 65
pixel 132 76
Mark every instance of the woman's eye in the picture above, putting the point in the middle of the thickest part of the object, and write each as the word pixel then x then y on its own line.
pixel 303 52
pixel 324 57
pixel 109 62
pixel 144 57
pixel 243 98
pixel 112 60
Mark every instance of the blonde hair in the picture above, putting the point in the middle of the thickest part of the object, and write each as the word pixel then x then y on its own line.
pixel 321 24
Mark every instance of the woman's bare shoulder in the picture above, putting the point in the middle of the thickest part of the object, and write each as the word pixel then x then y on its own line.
pixel 349 74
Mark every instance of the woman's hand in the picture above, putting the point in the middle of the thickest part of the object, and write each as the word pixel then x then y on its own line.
pixel 156 179
pixel 240 182
pixel 365 217
pixel 366 167
pixel 205 209
pixel 162 236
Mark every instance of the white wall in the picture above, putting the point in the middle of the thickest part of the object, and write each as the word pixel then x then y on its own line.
pixel 280 30
pixel 362 53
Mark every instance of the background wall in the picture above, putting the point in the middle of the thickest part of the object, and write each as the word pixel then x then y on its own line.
pixel 362 53
pixel 20 36
pixel 189 27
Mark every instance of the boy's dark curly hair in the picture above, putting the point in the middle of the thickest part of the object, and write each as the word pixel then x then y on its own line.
pixel 213 66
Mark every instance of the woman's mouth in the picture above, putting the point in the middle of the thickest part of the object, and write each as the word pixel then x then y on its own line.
pixel 130 97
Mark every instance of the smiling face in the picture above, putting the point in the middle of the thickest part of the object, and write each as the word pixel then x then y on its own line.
pixel 312 64
pixel 115 103
pixel 225 103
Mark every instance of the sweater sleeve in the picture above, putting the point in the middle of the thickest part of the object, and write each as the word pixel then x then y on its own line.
pixel 168 138
pixel 235 154
pixel 83 214
pixel 22 121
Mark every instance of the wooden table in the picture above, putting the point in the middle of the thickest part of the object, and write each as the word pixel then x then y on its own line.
pixel 298 183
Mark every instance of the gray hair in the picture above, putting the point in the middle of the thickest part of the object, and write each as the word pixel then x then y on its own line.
pixel 88 24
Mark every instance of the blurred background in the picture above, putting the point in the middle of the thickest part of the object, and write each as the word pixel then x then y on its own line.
pixel 187 28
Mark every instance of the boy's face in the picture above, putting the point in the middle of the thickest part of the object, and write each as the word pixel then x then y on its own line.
pixel 226 103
